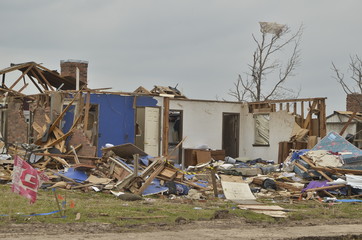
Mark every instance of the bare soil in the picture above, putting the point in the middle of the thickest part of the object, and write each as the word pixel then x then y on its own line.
pixel 229 228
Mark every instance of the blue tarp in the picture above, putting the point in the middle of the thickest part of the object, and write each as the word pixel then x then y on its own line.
pixel 77 175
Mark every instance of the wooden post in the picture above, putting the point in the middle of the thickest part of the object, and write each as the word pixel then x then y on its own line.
pixel 213 178
pixel 135 164
pixel 86 112
pixel 166 110
pixel 322 119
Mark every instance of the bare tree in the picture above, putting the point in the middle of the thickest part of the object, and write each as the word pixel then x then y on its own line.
pixel 275 38
pixel 355 67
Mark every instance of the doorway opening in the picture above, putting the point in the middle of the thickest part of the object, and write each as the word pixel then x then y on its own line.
pixel 230 134
pixel 175 135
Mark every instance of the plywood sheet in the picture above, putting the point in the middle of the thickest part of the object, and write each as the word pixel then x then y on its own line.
pixel 238 191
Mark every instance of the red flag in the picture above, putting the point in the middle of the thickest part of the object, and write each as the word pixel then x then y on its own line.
pixel 60 197
pixel 26 180
pixel 72 204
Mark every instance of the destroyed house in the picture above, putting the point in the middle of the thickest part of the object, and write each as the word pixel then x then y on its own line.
pixel 67 117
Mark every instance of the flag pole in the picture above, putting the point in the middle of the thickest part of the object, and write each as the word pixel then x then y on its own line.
pixel 57 201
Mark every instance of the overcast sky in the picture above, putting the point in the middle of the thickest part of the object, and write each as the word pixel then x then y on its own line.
pixel 200 45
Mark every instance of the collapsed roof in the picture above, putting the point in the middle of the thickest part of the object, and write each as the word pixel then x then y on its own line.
pixel 43 78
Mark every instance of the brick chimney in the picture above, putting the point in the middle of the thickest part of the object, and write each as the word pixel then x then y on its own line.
pixel 68 68
pixel 354 102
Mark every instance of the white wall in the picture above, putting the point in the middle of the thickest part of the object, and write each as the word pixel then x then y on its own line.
pixel 202 124
pixel 202 121
pixel 280 125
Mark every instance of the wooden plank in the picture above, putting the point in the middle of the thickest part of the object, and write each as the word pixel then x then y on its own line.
pixel 44 78
pixel 56 141
pixel 169 173
pixel 309 116
pixel 303 168
pixel 166 111
pixel 86 111
pixel 21 89
pixel 331 187
pixel 322 119
pixel 150 178
pixel 22 75
pixel 213 179
pixel 35 84
pixel 35 74
pixel 66 156
pixel 76 159
pixel 285 101
pixel 347 123
pixel 339 170
pixel 61 115
pixel 61 160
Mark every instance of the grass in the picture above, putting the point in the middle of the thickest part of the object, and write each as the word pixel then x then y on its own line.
pixel 102 208
pixel 106 208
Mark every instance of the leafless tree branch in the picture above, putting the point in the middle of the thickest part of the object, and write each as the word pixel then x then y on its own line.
pixel 264 63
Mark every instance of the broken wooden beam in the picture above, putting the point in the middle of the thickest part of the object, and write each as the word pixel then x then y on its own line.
pixel 326 188
pixel 309 161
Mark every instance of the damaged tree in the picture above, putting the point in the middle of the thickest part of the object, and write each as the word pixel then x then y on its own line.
pixel 275 38
pixel 353 87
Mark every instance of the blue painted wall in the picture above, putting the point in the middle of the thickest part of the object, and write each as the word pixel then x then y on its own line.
pixel 146 101
pixel 116 117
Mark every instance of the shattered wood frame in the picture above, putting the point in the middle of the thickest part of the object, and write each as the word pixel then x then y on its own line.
pixel 309 107
pixel 43 78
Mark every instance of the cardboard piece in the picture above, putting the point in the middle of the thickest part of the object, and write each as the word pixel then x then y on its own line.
pixel 125 151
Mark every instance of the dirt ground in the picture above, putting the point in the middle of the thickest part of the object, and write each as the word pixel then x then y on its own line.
pixel 232 228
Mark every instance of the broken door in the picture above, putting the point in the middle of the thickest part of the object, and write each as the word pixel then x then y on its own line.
pixel 148 130
pixel 230 134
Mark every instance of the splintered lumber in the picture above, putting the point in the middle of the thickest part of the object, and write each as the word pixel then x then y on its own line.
pixel 168 173
pixel 118 169
pixel 151 177
pixel 304 169
pixel 58 140
pixel 339 170
pixel 326 188
pixel 66 156
pixel 348 122
pixel 75 148
pixel 61 160
pixel 213 179
pixel 76 159
pixel 61 115
pixel 307 160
